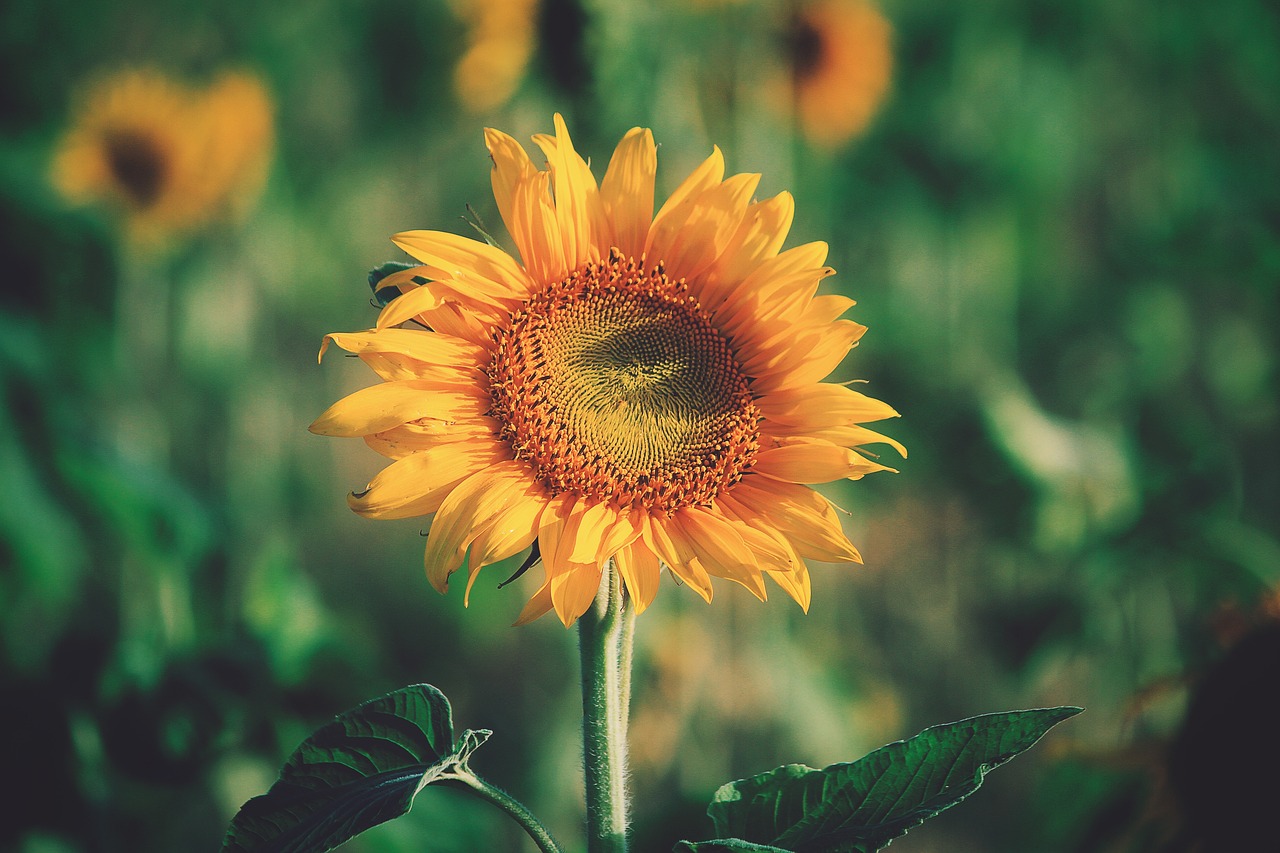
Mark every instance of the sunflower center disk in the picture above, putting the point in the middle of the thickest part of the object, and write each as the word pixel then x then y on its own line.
pixel 137 163
pixel 614 384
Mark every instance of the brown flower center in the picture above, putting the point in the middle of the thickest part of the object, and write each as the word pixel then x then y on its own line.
pixel 805 45
pixel 138 165
pixel 614 384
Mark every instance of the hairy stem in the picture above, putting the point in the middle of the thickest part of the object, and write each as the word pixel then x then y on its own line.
pixel 605 644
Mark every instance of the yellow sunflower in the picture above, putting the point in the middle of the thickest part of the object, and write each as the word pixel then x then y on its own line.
pixel 168 156
pixel 638 390
pixel 841 63
pixel 500 41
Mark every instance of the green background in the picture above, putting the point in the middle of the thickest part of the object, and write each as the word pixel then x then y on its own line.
pixel 1062 228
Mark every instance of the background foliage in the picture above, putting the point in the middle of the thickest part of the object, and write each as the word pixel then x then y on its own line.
pixel 1063 228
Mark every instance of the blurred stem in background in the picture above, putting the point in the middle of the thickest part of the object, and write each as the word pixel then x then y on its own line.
pixel 605 635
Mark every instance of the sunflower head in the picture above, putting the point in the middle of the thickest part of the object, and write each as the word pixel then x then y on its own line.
pixel 638 391
pixel 166 156
pixel 840 63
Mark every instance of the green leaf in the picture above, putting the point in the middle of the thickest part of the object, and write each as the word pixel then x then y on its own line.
pixel 360 770
pixel 862 806
pixel 726 845
pixel 381 271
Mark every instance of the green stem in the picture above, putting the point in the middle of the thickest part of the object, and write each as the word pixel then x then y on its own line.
pixel 511 806
pixel 604 636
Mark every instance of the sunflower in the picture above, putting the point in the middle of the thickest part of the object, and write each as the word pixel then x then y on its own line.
pixel 638 391
pixel 168 156
pixel 841 62
pixel 500 42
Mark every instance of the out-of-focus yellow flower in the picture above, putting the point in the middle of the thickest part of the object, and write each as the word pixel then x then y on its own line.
pixel 638 389
pixel 841 63
pixel 167 156
pixel 500 41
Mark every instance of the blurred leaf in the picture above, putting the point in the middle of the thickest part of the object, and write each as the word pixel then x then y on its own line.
pixel 360 770
pixel 862 806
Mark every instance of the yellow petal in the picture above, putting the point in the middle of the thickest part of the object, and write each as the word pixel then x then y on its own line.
pixel 537 606
pixel 703 178
pixel 771 307
pixel 824 309
pixel 577 199
pixel 511 531
pixel 760 235
pixel 381 407
pixel 572 592
pixel 822 405
pixel 417 484
pixel 464 322
pixel 573 584
pixel 405 280
pixel 774 551
pixel 623 530
pixel 803 357
pixel 796 584
pixel 640 571
pixel 626 193
pixel 425 303
pixel 524 202
pixel 427 434
pixel 719 547
pixel 486 268
pixel 802 515
pixel 800 461
pixel 536 221
pixel 690 238
pixel 551 524
pixel 427 347
pixel 849 436
pixel 464 513
pixel 394 367
pixel 677 555
pixel 511 167
pixel 595 520
pixel 767 546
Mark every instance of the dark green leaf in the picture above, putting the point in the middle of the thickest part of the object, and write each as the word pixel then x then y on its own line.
pixel 861 807
pixel 360 770
pixel 381 271
pixel 725 845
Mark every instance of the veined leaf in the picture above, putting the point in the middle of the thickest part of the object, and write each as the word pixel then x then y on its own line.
pixel 862 806
pixel 362 769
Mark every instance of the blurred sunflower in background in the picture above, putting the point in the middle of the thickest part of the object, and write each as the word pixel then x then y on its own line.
pixel 839 60
pixel 168 157
pixel 501 37
pixel 638 388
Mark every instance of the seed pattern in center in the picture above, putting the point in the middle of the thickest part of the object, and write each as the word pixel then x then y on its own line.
pixel 614 384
